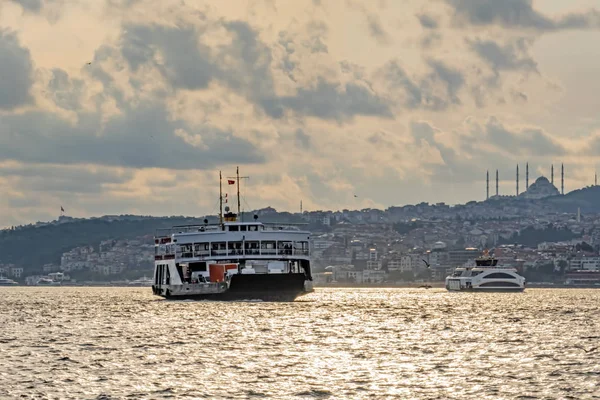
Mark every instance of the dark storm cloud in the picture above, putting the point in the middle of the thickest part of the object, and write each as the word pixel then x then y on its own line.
pixel 244 65
pixel 141 137
pixel 16 72
pixel 511 56
pixel 518 14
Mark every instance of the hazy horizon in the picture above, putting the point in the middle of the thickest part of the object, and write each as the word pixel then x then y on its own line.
pixel 133 106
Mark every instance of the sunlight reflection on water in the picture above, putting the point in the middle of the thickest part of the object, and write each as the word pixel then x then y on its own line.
pixel 337 343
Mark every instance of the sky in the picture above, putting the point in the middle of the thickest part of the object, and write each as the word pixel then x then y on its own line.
pixel 134 106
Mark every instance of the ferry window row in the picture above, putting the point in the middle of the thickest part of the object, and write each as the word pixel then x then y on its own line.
pixel 264 247
pixel 243 228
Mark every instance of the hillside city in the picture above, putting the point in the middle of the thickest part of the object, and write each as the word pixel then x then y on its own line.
pixel 416 243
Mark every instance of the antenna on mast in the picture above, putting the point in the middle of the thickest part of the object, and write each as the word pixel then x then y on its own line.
pixel 237 179
pixel 220 198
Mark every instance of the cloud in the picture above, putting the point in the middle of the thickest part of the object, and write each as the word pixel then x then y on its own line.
pixel 511 56
pixel 427 21
pixel 141 137
pixel 175 95
pixel 452 77
pixel 463 156
pixel 302 139
pixel 528 141
pixel 56 178
pixel 245 66
pixel 423 92
pixel 16 72
pixel 376 30
pixel 30 5
pixel 518 14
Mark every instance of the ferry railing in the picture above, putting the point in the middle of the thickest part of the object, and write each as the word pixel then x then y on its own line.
pixel 242 252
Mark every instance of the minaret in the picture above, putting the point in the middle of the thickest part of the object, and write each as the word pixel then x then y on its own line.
pixel 517 179
pixel 496 182
pixel 527 176
pixel 552 174
pixel 562 178
pixel 487 184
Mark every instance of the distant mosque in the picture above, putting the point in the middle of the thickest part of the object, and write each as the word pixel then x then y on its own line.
pixel 541 188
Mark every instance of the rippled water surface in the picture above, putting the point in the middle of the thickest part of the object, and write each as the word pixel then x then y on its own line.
pixel 113 343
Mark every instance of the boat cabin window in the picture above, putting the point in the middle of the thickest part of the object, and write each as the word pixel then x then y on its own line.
pixel 243 228
pixel 185 250
pixel 268 247
pixel 457 273
pixel 499 284
pixel 284 247
pixel 251 247
pixel 499 275
pixel 235 247
pixel 218 248
pixel 301 248
pixel 200 249
pixel 233 228
pixel 253 228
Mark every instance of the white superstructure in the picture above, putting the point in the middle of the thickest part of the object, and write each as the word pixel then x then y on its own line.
pixel 485 276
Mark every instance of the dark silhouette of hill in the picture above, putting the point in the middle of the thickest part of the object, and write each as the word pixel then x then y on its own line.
pixel 587 199
pixel 30 247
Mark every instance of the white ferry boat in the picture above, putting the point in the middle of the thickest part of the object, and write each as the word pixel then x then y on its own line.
pixel 485 276
pixel 232 260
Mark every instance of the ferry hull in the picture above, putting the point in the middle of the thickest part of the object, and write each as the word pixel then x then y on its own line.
pixel 266 287
pixel 489 290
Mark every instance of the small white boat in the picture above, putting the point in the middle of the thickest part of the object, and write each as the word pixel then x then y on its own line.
pixel 7 282
pixel 47 282
pixel 485 276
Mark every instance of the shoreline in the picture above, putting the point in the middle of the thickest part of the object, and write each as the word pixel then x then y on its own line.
pixel 441 285
pixel 341 285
